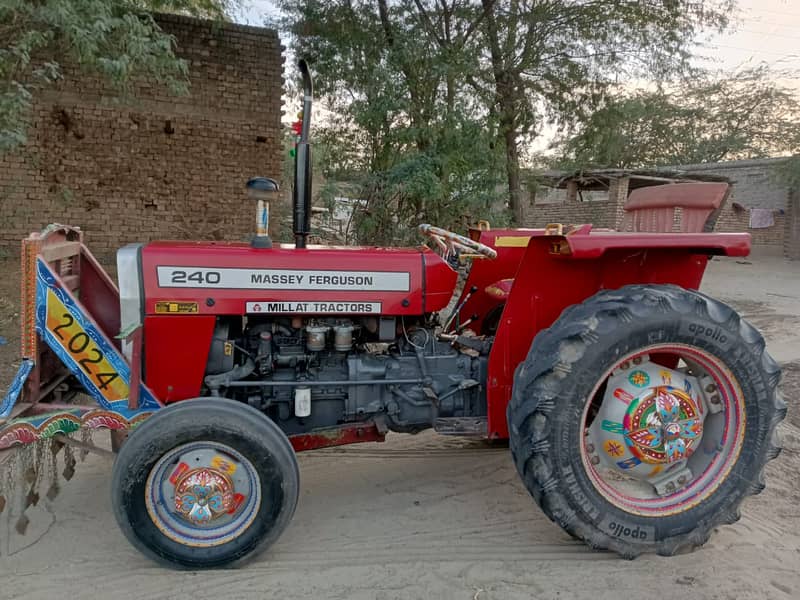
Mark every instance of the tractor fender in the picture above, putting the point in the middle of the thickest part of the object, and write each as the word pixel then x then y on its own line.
pixel 550 280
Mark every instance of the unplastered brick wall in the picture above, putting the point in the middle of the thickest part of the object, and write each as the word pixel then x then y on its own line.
pixel 732 220
pixel 600 213
pixel 152 165
pixel 568 207
pixel 755 185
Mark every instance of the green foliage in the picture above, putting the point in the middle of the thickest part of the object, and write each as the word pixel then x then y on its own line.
pixel 706 119
pixel 433 100
pixel 116 39
pixel 557 58
pixel 553 61
pixel 208 9
pixel 407 138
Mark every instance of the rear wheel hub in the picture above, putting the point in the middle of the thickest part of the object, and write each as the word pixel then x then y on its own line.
pixel 649 422
pixel 663 425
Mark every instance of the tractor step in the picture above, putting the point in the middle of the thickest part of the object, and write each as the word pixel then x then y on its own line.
pixel 461 426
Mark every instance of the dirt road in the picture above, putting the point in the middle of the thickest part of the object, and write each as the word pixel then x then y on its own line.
pixel 430 517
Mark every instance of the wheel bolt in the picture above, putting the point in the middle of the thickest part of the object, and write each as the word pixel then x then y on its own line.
pixel 681 480
pixel 637 360
pixel 625 366
pixel 670 487
pixel 715 399
pixel 590 448
pixel 595 460
pixel 711 388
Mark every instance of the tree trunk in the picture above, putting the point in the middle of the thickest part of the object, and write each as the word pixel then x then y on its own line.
pixel 512 174
pixel 505 101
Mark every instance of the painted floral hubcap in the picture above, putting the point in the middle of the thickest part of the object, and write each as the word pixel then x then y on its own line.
pixel 202 495
pixel 658 439
pixel 663 425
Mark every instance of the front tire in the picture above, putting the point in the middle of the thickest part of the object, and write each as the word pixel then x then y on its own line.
pixel 205 483
pixel 569 373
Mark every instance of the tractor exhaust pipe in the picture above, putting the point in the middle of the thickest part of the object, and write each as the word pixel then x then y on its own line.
pixel 302 167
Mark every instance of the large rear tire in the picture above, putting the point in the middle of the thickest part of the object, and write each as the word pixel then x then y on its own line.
pixel 205 483
pixel 562 386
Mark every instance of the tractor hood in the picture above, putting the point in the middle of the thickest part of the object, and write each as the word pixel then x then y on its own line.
pixel 234 278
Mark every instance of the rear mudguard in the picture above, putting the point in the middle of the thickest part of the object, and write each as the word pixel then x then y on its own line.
pixel 558 271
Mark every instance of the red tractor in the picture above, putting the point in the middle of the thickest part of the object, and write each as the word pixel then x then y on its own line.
pixel 639 411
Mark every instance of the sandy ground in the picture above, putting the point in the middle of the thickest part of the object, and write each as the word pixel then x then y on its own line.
pixel 432 517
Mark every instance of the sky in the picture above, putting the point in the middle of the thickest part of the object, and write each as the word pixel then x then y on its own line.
pixel 765 31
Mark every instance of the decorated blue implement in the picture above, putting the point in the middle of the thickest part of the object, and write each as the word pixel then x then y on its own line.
pixel 87 353
pixel 15 389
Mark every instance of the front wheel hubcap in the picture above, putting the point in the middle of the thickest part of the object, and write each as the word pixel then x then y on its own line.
pixel 203 494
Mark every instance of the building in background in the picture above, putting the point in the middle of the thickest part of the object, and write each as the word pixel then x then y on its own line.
pixel 153 165
pixel 761 202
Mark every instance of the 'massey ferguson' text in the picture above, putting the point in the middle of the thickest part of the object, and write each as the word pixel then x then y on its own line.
pixel 283 279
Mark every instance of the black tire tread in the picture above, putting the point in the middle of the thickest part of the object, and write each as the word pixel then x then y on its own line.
pixel 534 400
pixel 214 413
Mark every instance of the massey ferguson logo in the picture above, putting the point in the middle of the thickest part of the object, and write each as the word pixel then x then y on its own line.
pixel 620 531
pixel 714 333
pixel 283 279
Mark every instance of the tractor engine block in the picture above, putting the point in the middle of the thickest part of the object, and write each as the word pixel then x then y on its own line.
pixel 310 373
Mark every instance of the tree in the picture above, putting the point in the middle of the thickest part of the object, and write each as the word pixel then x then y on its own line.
pixel 555 59
pixel 405 131
pixel 401 72
pixel 747 114
pixel 115 38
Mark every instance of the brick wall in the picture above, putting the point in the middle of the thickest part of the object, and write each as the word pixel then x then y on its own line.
pixel 567 207
pixel 732 221
pixel 154 165
pixel 755 185
pixel 600 213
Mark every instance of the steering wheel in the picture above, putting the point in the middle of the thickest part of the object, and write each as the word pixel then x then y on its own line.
pixel 450 243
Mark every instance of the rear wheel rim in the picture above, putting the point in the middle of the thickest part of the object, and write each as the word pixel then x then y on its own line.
pixel 203 494
pixel 616 453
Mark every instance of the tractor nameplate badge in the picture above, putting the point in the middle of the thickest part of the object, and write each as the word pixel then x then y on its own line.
pixel 315 307
pixel 283 279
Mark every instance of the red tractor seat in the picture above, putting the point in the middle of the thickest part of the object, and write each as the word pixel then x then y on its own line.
pixel 653 209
